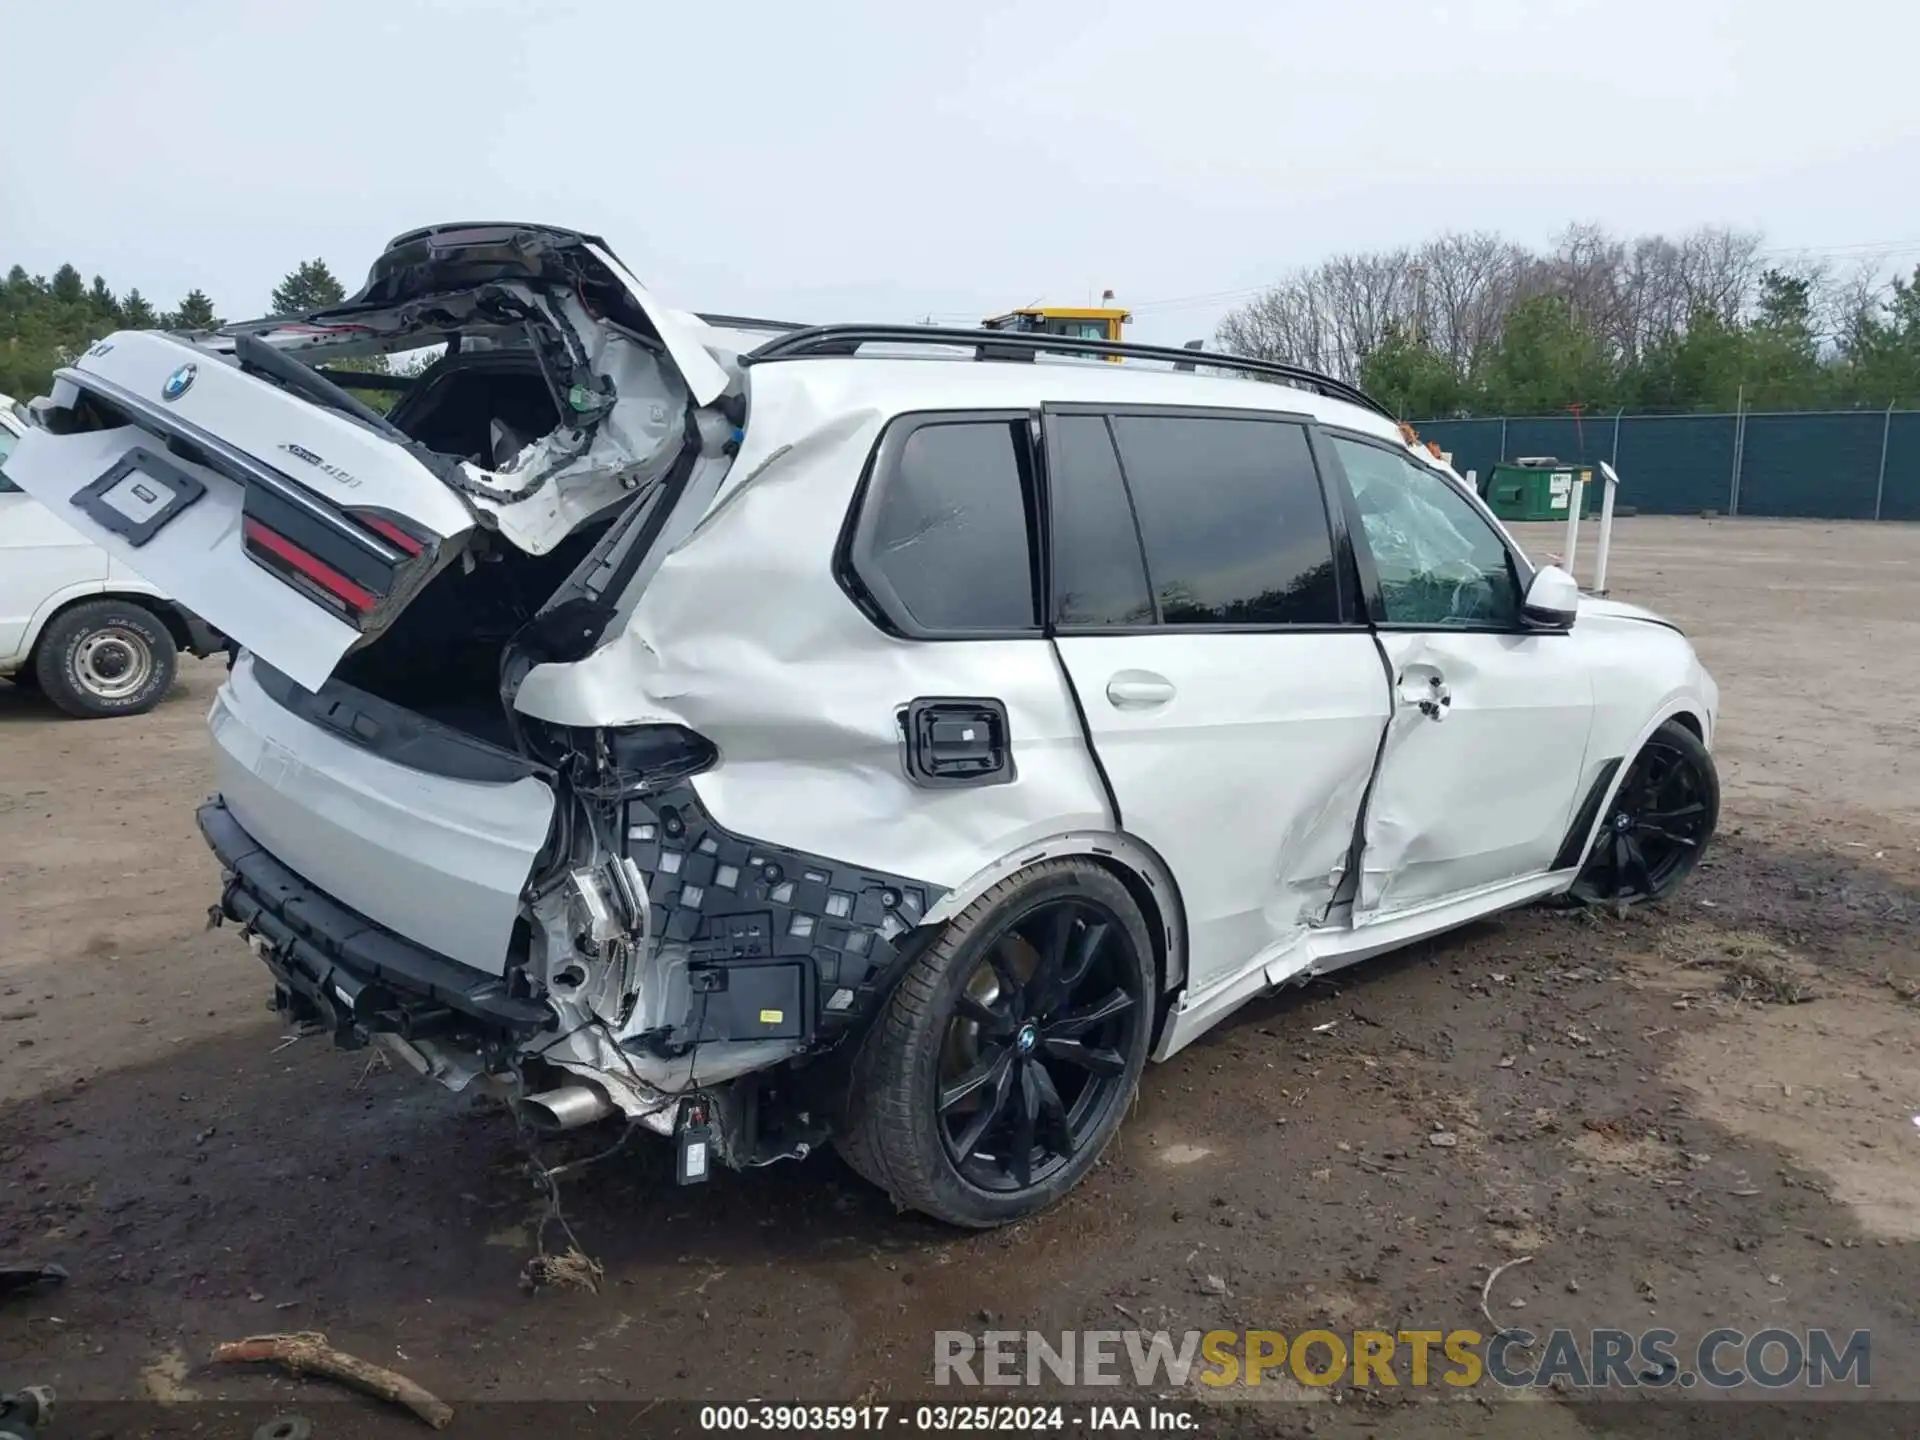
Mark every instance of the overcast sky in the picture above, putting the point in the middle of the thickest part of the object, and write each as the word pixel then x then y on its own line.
pixel 879 159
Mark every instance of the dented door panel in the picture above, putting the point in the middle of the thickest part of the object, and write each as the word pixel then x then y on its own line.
pixel 1247 778
pixel 1480 772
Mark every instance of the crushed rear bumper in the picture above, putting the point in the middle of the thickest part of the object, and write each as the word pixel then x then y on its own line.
pixel 332 964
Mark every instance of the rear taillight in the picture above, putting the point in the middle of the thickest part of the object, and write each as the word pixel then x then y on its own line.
pixel 390 530
pixel 301 567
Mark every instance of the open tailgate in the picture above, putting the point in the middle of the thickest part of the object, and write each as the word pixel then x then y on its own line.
pixel 295 529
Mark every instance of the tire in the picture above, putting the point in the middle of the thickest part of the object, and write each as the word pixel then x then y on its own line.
pixel 1075 1004
pixel 1659 825
pixel 106 657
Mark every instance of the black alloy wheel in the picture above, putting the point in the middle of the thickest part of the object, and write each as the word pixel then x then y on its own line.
pixel 1005 1059
pixel 1036 1051
pixel 1659 824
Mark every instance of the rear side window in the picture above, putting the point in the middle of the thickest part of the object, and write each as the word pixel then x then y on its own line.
pixel 1232 520
pixel 7 441
pixel 1099 577
pixel 943 540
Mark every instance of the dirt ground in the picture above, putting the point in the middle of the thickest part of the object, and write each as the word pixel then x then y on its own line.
pixel 1697 1116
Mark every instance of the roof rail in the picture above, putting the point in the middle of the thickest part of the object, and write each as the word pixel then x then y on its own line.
pixel 750 322
pixel 822 340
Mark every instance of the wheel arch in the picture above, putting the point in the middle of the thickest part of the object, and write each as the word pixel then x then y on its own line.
pixel 1685 710
pixel 162 609
pixel 1138 866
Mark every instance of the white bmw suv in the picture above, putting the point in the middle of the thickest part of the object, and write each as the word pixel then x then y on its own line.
pixel 869 734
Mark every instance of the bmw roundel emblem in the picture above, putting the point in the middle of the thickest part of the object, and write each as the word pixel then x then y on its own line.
pixel 179 382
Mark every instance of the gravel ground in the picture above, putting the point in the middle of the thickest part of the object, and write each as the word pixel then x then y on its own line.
pixel 1694 1116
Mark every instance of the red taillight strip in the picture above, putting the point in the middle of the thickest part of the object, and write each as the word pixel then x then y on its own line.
pixel 386 529
pixel 355 596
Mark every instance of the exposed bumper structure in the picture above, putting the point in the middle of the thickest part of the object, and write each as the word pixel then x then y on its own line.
pixel 349 971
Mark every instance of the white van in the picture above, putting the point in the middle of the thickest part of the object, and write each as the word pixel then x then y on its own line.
pixel 75 622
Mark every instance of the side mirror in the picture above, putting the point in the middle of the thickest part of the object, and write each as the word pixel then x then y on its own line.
pixel 1553 600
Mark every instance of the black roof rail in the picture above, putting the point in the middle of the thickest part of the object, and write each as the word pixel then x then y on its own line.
pixel 823 340
pixel 750 322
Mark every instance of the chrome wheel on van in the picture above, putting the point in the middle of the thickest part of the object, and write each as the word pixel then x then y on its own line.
pixel 1004 1061
pixel 112 663
pixel 106 657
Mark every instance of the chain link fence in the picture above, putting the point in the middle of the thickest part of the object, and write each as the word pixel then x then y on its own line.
pixel 1827 465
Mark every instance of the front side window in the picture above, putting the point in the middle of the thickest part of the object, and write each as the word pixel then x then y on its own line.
pixel 1438 560
pixel 1232 520
pixel 7 441
pixel 947 533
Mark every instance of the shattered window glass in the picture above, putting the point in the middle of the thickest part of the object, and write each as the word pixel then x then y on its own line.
pixel 1232 518
pixel 1439 561
pixel 950 529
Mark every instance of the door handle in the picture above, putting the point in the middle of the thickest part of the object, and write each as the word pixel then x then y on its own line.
pixel 1428 693
pixel 1137 689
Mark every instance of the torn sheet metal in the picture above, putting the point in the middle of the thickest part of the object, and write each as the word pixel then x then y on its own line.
pixel 578 470
pixel 803 697
pixel 1481 766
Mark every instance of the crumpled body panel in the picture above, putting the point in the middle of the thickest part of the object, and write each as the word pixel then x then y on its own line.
pixel 744 635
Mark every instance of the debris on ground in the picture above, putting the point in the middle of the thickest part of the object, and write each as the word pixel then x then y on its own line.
pixel 1486 1291
pixel 1752 967
pixel 573 1270
pixel 307 1352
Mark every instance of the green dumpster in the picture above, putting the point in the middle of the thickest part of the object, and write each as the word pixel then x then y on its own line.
pixel 1538 488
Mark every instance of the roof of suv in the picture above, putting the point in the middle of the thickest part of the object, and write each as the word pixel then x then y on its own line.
pixel 895 383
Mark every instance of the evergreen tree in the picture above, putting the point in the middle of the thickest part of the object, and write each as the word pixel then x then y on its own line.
pixel 136 313
pixel 195 313
pixel 308 287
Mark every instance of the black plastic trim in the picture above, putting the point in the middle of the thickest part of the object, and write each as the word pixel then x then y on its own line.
pixel 844 340
pixel 183 490
pixel 325 948
pixel 393 732
pixel 922 713
pixel 1573 849
pixel 750 322
pixel 755 902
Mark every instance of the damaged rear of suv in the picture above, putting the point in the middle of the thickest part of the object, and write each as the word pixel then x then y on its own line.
pixel 527 898
pixel 827 737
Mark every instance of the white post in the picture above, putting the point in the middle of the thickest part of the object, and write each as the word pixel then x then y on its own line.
pixel 1609 482
pixel 1575 500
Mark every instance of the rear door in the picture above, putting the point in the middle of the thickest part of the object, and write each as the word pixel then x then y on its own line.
pixel 1481 767
pixel 1233 694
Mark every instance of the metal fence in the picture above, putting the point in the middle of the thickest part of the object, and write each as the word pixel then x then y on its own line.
pixel 1828 464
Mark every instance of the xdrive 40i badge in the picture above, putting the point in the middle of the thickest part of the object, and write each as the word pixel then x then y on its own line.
pixel 332 472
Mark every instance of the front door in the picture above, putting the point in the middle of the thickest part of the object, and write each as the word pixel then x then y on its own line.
pixel 1478 777
pixel 1233 694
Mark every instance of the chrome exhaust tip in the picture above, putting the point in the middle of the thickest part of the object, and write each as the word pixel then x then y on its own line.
pixel 567 1108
